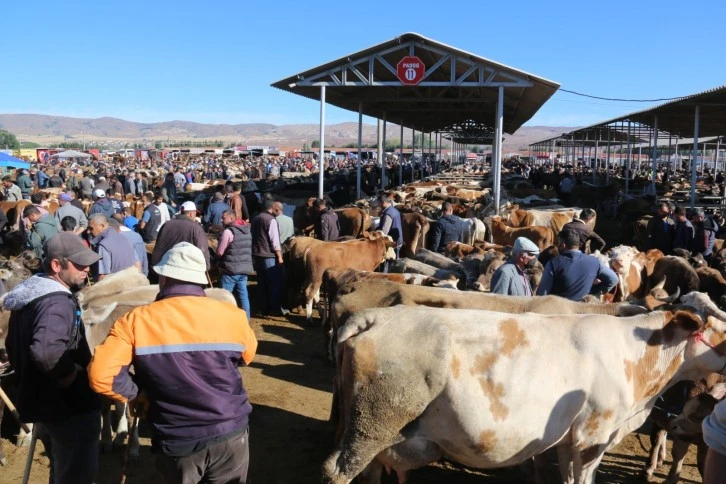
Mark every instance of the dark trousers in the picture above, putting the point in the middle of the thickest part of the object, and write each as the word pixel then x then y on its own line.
pixel 72 448
pixel 269 283
pixel 225 462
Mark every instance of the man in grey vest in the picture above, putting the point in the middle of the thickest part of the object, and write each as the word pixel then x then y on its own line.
pixel 267 259
pixel 150 220
pixel 115 250
pixel 234 253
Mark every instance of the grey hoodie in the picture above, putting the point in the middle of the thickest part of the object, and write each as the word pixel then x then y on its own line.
pixel 46 341
pixel 31 289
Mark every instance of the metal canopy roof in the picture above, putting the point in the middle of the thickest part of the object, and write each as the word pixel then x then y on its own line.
pixel 456 87
pixel 469 133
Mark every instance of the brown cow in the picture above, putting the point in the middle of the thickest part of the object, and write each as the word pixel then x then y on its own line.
pixel 697 400
pixel 543 237
pixel 458 250
pixel 713 283
pixel 415 230
pixel 362 254
pixel 353 221
pixel 672 272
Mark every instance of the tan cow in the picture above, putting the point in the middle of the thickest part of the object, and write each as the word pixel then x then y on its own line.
pixel 421 384
pixel 542 236
pixel 552 219
pixel 361 254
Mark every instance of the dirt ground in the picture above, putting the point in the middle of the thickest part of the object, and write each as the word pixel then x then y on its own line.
pixel 289 383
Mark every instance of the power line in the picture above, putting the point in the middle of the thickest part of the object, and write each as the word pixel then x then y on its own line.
pixel 622 100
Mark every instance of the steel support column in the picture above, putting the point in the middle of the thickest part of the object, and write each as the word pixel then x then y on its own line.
pixel 627 166
pixel 654 160
pixel 379 149
pixel 360 142
pixel 497 154
pixel 400 160
pixel 321 157
pixel 696 126
pixel 384 183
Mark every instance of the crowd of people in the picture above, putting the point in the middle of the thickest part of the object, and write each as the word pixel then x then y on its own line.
pixel 46 339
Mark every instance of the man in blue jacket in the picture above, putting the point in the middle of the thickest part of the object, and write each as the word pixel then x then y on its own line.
pixel 446 229
pixel 574 275
pixel 216 210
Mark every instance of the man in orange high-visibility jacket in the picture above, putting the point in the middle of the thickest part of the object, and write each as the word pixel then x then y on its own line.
pixel 186 365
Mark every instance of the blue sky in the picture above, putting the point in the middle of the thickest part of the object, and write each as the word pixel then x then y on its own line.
pixel 213 62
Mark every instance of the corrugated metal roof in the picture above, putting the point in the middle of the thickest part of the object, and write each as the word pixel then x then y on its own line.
pixel 436 102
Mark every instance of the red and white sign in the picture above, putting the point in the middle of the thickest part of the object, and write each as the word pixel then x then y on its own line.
pixel 410 70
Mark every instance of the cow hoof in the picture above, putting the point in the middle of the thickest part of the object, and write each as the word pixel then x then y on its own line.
pixel 23 441
pixel 106 447
pixel 3 462
pixel 119 441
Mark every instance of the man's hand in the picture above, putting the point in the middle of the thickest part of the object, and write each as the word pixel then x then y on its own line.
pixel 139 406
pixel 279 259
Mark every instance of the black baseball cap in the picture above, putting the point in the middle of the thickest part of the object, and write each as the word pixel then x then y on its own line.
pixel 67 245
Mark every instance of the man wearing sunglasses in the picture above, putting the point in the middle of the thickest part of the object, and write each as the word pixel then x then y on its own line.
pixel 47 348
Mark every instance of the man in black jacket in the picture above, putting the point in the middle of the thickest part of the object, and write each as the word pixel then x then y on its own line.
pixel 583 228
pixel 327 226
pixel 446 229
pixel 47 348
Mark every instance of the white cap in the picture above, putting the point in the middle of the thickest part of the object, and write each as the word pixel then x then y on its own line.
pixel 183 262
pixel 98 193
pixel 188 207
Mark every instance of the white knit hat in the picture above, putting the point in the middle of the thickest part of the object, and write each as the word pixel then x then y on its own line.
pixel 183 262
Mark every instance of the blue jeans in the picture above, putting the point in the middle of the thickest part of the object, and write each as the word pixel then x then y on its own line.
pixel 237 285
pixel 72 447
pixel 269 283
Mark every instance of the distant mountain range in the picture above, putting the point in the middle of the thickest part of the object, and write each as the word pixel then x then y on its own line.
pixel 44 129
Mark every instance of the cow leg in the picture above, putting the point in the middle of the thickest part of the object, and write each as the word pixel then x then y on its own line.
pixel 312 294
pixel 106 423
pixel 122 428
pixel 702 450
pixel 371 474
pixel 23 439
pixel 133 444
pixel 678 452
pixel 587 462
pixel 657 451
pixel 566 464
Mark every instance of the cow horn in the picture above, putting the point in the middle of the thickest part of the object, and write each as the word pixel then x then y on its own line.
pixel 672 297
pixel 661 284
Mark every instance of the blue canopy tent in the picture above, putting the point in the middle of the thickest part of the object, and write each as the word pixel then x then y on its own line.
pixel 7 161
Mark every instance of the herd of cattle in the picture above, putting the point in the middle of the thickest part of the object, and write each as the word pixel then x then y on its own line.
pixel 428 365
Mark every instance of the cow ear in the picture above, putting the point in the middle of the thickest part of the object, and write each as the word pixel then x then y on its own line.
pixel 684 320
pixel 718 391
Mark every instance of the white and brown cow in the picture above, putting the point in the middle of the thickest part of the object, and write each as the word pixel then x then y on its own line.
pixel 419 384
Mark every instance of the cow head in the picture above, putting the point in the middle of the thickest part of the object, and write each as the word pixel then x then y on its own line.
pixel 687 426
pixel 707 337
pixel 621 257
